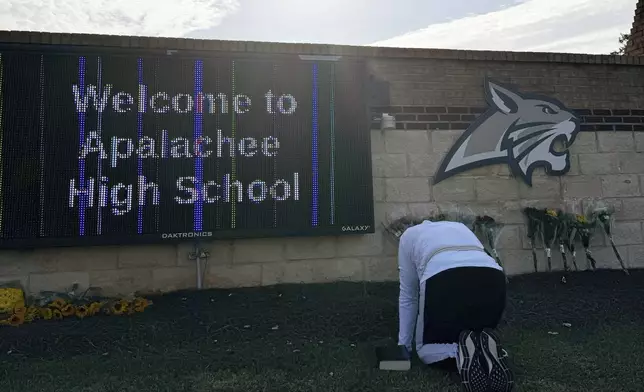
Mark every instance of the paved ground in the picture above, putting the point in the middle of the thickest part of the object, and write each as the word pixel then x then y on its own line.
pixel 321 338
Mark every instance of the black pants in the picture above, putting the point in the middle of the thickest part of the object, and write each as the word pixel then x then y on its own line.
pixel 462 298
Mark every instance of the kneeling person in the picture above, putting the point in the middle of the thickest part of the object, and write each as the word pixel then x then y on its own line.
pixel 462 295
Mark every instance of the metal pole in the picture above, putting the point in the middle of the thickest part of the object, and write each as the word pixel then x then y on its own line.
pixel 199 282
pixel 196 255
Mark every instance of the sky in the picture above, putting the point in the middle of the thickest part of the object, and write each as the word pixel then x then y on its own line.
pixel 574 26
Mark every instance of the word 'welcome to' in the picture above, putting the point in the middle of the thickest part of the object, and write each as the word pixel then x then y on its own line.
pixel 181 103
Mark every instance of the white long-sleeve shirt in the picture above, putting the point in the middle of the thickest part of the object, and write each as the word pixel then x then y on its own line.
pixel 417 244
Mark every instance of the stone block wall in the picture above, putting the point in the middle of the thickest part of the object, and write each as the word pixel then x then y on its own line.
pixel 606 168
pixel 435 95
pixel 435 100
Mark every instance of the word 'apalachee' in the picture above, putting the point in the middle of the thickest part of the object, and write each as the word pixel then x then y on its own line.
pixel 122 148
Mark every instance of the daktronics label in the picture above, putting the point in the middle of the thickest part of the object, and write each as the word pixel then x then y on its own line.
pixel 186 235
pixel 120 147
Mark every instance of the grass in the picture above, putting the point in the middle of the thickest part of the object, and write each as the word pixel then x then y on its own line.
pixel 321 338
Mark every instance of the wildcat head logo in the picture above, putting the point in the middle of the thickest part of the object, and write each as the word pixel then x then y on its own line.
pixel 518 129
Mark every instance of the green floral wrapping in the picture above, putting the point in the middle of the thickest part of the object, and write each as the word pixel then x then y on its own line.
pixel 603 218
pixel 489 230
pixel 585 233
pixel 569 235
pixel 563 233
pixel 533 221
pixel 533 225
pixel 550 225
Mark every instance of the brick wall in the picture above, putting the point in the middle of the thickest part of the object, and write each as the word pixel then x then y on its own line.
pixel 435 94
pixel 635 45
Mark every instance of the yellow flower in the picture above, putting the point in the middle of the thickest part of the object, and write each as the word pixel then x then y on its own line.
pixel 46 313
pixel 551 212
pixel 82 311
pixel 581 219
pixel 68 310
pixel 10 297
pixel 32 314
pixel 16 319
pixel 94 308
pixel 57 315
pixel 57 303
pixel 10 292
pixel 140 304
pixel 119 307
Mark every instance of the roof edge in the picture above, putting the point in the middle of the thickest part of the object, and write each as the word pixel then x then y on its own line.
pixel 192 44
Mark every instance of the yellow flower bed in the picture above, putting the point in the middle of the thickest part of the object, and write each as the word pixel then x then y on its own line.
pixel 15 312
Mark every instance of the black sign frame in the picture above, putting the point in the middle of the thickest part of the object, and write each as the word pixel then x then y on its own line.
pixel 221 234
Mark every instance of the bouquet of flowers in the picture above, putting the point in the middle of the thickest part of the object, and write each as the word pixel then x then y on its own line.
pixel 585 229
pixel 488 230
pixel 549 233
pixel 603 217
pixel 69 304
pixel 11 295
pixel 534 227
pixel 562 232
pixel 568 235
